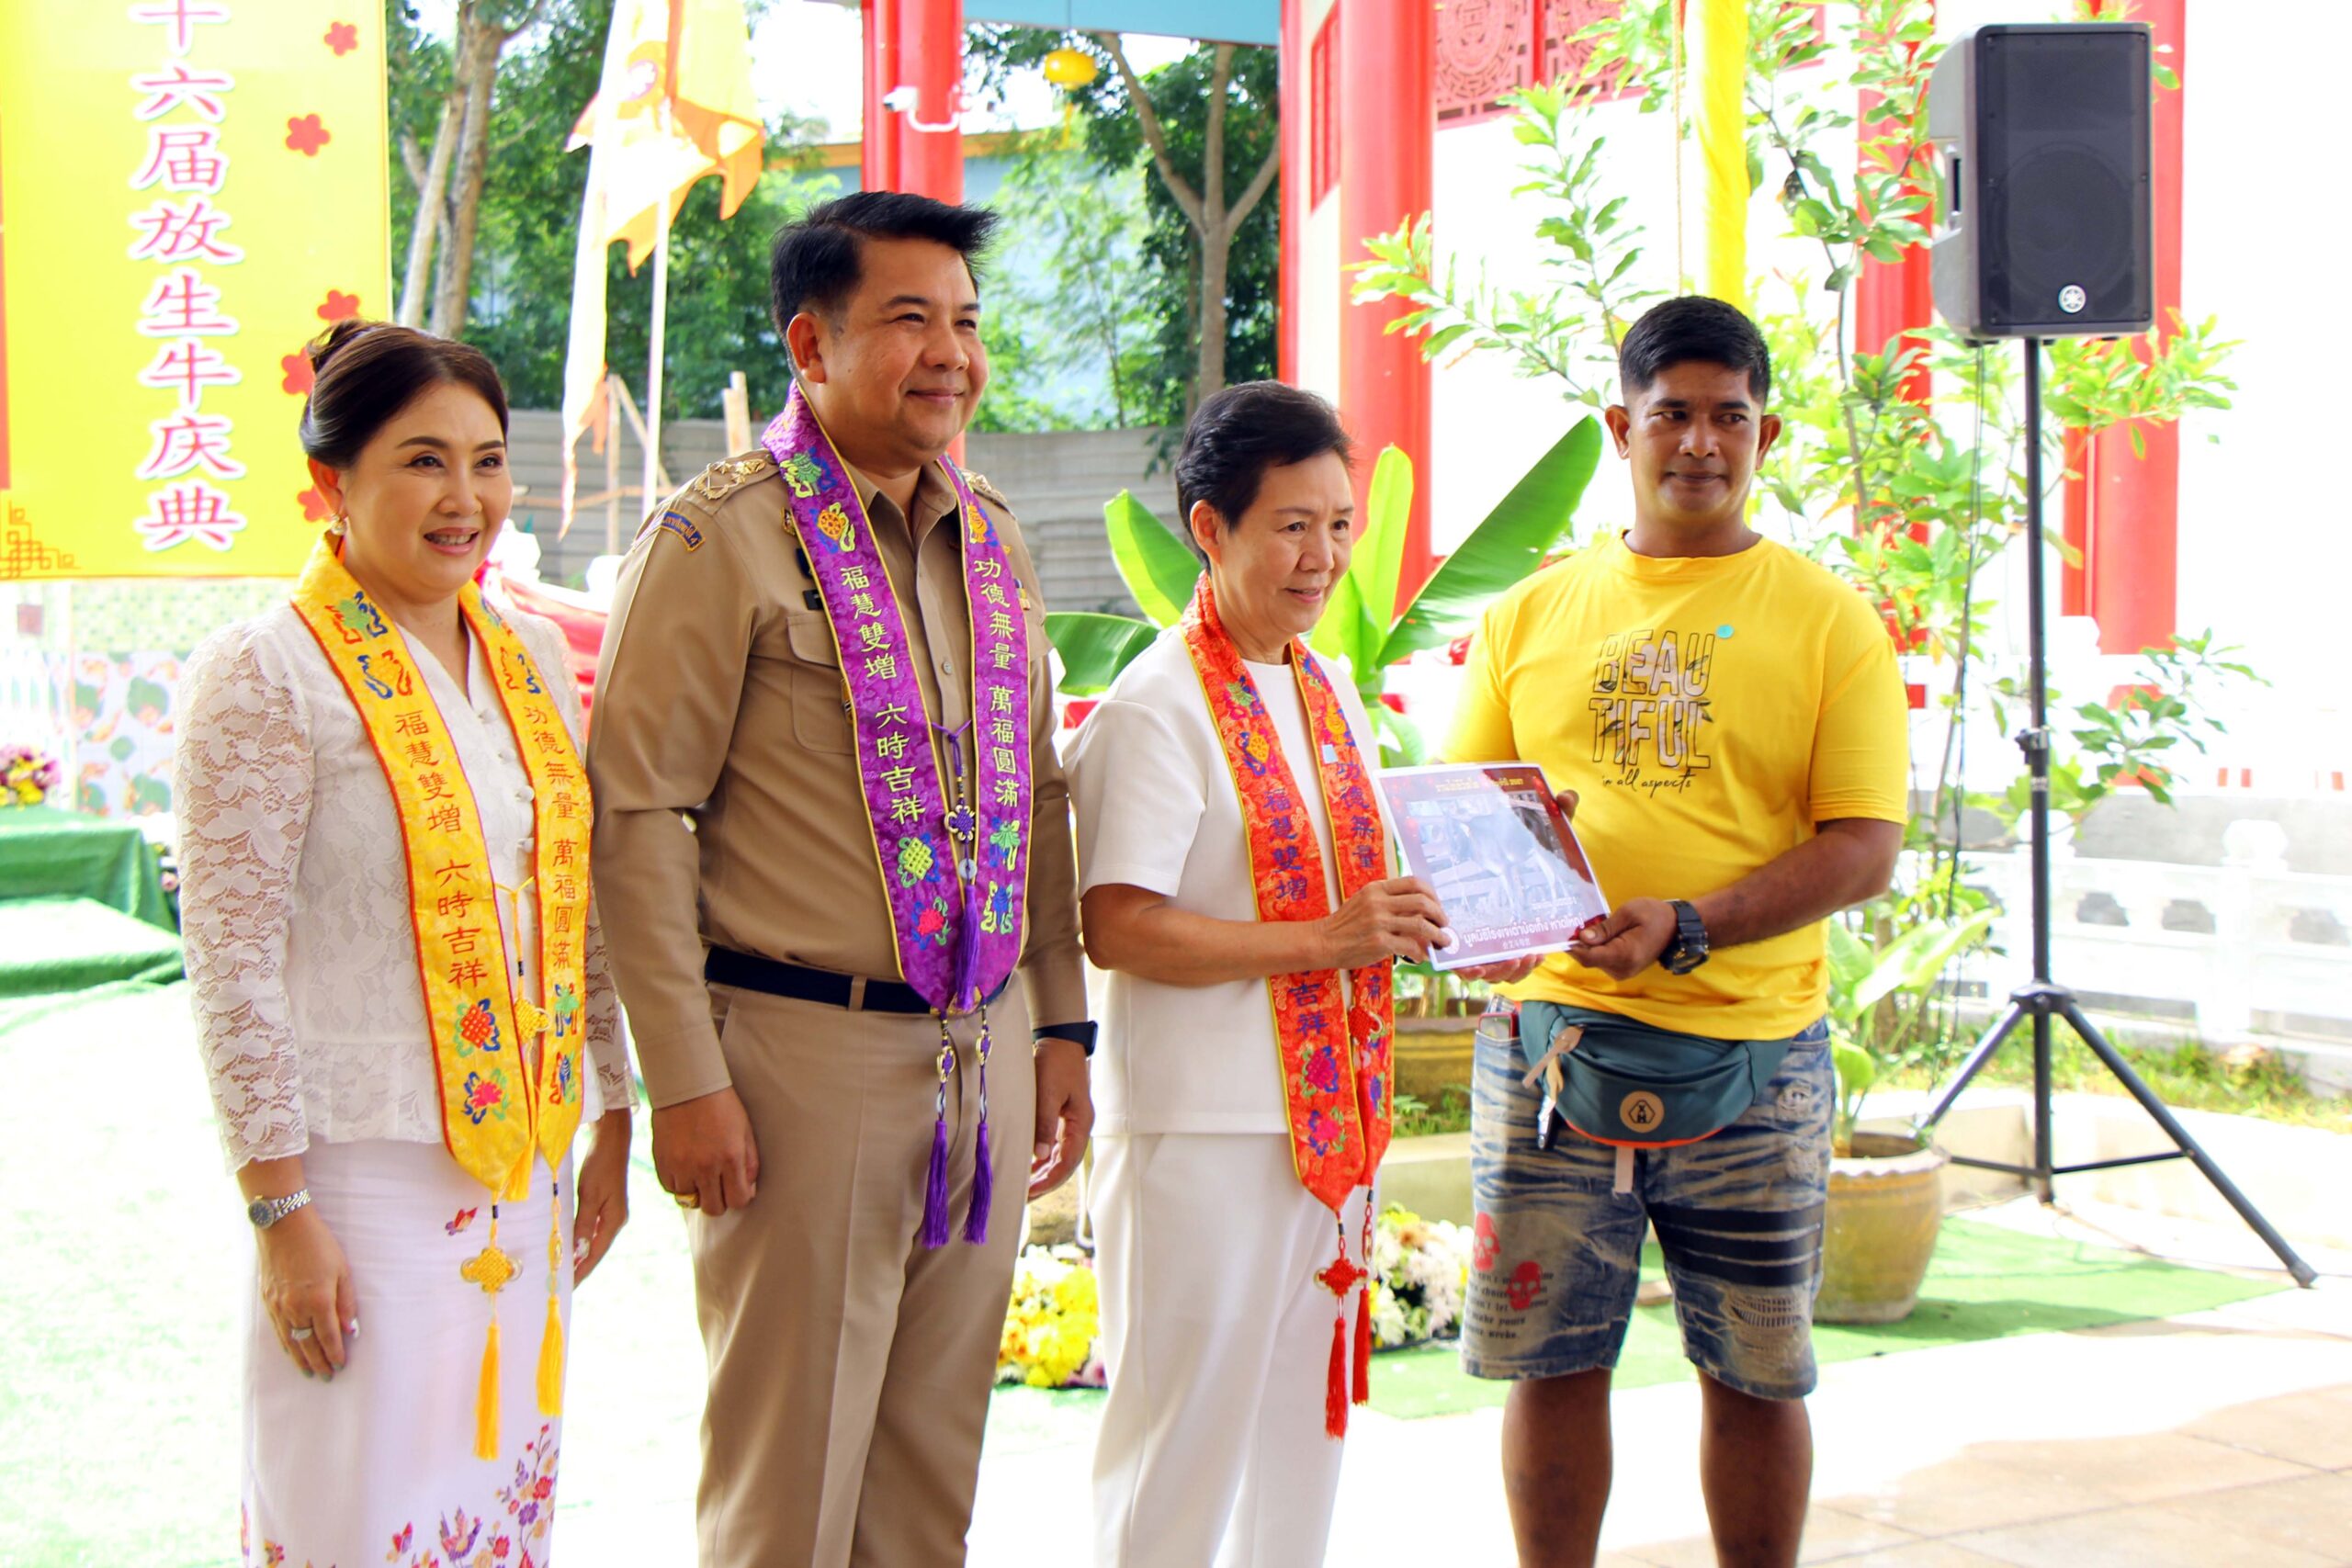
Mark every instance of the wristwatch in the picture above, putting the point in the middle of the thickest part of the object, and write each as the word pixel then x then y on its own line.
pixel 266 1212
pixel 1080 1034
pixel 1689 948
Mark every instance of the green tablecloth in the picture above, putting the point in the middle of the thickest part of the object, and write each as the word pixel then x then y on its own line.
pixel 49 946
pixel 46 852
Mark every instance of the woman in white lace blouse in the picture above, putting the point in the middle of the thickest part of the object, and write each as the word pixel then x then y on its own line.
pixel 401 990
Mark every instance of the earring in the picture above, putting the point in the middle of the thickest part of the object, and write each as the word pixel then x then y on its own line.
pixel 341 525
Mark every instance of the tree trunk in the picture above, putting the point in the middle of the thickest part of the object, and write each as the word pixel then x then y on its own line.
pixel 1215 234
pixel 432 183
pixel 1214 224
pixel 1216 247
pixel 475 71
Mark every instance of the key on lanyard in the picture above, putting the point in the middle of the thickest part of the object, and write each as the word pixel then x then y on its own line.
pixel 1548 1071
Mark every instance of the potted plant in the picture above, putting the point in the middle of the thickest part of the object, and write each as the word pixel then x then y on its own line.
pixel 1885 1188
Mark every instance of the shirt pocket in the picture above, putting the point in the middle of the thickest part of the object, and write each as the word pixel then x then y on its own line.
pixel 819 700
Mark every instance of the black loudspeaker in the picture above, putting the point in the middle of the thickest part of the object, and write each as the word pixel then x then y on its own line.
pixel 2047 230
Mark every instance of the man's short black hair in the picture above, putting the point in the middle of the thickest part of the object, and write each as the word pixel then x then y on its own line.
pixel 1692 327
pixel 815 263
pixel 1237 434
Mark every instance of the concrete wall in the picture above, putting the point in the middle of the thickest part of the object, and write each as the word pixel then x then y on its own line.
pixel 1058 481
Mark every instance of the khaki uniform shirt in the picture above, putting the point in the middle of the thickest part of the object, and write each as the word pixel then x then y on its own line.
pixel 720 704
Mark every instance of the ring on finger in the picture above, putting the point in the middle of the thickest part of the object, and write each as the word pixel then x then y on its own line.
pixel 688 1200
pixel 301 1333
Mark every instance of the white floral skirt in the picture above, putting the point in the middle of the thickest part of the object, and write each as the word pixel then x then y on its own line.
pixel 378 1465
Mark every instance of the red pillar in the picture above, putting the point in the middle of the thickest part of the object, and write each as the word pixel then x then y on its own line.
pixel 2131 569
pixel 878 157
pixel 1893 298
pixel 1387 140
pixel 1292 115
pixel 920 146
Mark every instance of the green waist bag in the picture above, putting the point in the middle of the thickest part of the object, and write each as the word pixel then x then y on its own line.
pixel 1629 1085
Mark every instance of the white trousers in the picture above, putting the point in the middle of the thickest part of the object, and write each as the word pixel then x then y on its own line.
pixel 1217 1342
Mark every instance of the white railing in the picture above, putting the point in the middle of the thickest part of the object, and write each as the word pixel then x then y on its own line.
pixel 2276 943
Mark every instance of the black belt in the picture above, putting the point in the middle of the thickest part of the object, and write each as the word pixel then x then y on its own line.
pixel 725 966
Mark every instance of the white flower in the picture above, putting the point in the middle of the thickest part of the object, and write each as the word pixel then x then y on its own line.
pixel 1388 1317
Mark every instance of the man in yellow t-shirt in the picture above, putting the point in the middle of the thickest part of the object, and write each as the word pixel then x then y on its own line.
pixel 1729 716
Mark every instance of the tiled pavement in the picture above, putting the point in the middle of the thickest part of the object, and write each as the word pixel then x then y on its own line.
pixel 2219 1441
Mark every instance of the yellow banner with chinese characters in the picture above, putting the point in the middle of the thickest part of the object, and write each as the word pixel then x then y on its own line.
pixel 189 190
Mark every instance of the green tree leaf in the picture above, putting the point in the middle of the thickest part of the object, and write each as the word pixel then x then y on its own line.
pixel 1380 548
pixel 1506 547
pixel 1094 649
pixel 1160 569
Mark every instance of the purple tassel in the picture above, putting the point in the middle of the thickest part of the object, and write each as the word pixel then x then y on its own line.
pixel 976 1218
pixel 934 1196
pixel 967 945
pixel 967 969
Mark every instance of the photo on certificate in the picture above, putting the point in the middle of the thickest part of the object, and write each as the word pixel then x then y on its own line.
pixel 1491 840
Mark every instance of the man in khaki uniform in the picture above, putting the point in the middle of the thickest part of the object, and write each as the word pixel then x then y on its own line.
pixel 794 1074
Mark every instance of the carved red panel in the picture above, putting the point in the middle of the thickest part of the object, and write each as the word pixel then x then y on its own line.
pixel 1484 48
pixel 1562 20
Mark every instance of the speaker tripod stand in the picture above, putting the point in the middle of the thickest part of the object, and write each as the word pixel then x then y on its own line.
pixel 2041 1000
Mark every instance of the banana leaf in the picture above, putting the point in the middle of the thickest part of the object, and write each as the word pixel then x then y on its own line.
pixel 1159 569
pixel 1402 745
pixel 1380 552
pixel 1094 649
pixel 1504 548
pixel 1355 622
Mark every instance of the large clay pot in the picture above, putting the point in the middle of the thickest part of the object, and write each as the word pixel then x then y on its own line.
pixel 1885 1206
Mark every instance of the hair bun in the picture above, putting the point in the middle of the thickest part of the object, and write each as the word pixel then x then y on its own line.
pixel 321 348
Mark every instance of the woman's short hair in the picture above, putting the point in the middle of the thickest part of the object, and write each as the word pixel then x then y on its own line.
pixel 362 373
pixel 1237 434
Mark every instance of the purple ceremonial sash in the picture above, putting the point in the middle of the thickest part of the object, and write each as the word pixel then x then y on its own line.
pixel 954 869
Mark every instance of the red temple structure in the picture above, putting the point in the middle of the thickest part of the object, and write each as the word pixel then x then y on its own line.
pixel 1368 88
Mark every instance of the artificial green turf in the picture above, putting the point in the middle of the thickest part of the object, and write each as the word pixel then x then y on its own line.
pixel 124 1258
pixel 1987 1282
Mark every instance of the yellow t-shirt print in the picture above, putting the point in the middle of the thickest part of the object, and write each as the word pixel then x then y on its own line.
pixel 1649 706
pixel 1708 712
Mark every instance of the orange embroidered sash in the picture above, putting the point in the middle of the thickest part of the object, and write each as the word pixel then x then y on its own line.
pixel 510 1071
pixel 1336 1043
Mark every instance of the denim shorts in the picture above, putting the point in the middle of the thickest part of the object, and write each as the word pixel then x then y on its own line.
pixel 1555 1255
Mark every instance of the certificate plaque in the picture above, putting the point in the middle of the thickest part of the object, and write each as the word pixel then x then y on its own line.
pixel 1506 866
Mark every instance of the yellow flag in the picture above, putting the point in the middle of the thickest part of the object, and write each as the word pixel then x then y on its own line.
pixel 675 105
pixel 1719 75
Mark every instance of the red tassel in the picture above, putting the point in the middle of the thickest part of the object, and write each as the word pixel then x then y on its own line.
pixel 1363 1346
pixel 1335 1390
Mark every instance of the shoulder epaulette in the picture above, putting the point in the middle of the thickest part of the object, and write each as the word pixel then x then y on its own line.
pixel 719 481
pixel 986 490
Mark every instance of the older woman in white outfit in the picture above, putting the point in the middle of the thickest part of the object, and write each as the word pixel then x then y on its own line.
pixel 1234 872
pixel 401 991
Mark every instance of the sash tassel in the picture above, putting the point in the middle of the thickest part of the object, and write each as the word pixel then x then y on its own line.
pixel 976 1218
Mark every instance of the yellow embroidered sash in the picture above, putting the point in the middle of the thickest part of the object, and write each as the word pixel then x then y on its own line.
pixel 510 1072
